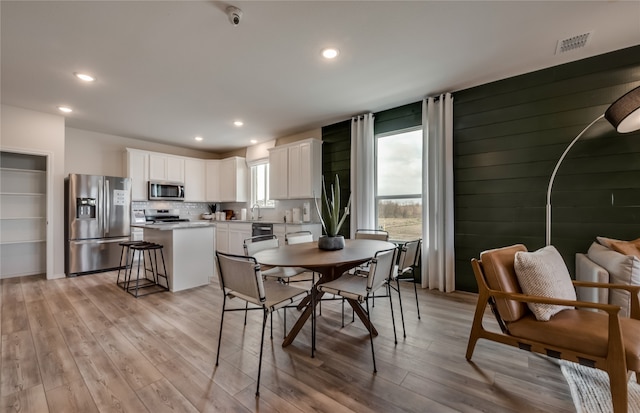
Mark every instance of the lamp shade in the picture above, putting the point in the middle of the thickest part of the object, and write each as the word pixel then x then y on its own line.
pixel 624 113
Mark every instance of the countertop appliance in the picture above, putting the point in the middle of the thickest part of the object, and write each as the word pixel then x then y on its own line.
pixel 166 191
pixel 159 216
pixel 98 218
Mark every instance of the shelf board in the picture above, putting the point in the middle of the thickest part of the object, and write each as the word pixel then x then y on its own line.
pixel 20 218
pixel 30 171
pixel 35 241
pixel 23 193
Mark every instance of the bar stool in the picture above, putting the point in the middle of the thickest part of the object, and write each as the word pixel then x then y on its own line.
pixel 152 269
pixel 124 252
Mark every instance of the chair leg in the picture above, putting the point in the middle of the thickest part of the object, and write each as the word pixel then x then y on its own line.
pixel 619 395
pixel 246 311
pixel 373 354
pixel 224 302
pixel 393 319
pixel 476 327
pixel 415 290
pixel 313 320
pixel 404 330
pixel 264 324
pixel 284 329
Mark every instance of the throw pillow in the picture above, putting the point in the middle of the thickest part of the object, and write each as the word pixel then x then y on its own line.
pixel 627 247
pixel 606 242
pixel 543 273
pixel 622 269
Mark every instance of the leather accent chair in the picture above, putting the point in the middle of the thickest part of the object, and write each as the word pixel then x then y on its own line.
pixel 599 338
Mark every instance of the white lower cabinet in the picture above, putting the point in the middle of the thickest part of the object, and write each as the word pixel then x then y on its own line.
pixel 238 232
pixel 222 237
pixel 230 236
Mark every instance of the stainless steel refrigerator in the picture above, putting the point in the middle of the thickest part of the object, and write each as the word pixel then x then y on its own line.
pixel 98 215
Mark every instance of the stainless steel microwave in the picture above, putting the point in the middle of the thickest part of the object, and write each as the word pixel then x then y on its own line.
pixel 166 191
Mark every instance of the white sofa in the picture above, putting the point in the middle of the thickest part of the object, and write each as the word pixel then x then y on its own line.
pixel 603 264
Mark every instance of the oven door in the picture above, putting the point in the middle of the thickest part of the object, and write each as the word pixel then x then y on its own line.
pixel 258 229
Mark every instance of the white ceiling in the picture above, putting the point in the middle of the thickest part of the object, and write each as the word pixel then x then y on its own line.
pixel 170 70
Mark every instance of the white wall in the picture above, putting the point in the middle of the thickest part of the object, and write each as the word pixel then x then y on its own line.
pixel 40 133
pixel 96 153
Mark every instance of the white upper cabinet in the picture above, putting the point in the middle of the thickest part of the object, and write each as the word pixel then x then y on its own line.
pixel 166 168
pixel 233 180
pixel 212 180
pixel 295 170
pixel 278 173
pixel 137 165
pixel 194 180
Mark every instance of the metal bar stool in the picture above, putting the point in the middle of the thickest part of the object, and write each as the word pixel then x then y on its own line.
pixel 150 267
pixel 124 253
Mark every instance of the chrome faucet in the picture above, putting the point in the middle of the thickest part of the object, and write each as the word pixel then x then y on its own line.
pixel 253 217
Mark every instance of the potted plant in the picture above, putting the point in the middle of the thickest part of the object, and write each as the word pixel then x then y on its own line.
pixel 330 216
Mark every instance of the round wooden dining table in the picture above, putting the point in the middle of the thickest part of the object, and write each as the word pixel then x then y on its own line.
pixel 329 264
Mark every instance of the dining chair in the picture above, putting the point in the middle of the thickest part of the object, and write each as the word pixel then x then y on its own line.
pixel 240 277
pixel 262 242
pixel 376 234
pixel 298 237
pixel 281 274
pixel 354 287
pixel 407 268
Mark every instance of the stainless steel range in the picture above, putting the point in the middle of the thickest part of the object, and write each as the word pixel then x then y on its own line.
pixel 159 216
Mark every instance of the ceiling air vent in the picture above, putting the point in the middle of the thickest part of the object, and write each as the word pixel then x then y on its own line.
pixel 572 43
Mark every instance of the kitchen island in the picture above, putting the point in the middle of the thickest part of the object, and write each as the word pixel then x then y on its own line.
pixel 188 251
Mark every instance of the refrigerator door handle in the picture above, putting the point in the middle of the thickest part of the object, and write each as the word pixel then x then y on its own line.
pixel 107 215
pixel 99 241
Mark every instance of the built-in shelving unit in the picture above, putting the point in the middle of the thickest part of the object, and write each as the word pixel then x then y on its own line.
pixel 23 211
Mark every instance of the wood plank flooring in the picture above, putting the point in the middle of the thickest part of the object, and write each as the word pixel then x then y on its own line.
pixel 84 345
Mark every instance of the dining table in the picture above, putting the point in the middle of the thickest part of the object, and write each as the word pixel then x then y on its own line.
pixel 329 264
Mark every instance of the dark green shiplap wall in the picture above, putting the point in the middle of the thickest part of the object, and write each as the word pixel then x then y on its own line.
pixel 336 158
pixel 336 144
pixel 508 135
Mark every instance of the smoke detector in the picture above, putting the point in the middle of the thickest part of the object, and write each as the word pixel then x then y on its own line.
pixel 573 42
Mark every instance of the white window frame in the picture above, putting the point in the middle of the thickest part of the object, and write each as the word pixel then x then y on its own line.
pixel 377 197
pixel 264 203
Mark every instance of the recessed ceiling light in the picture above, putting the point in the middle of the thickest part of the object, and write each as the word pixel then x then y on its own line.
pixel 85 77
pixel 253 141
pixel 198 138
pixel 65 109
pixel 330 53
pixel 238 123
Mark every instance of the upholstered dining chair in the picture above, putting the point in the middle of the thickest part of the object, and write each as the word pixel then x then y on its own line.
pixel 405 270
pixel 599 339
pixel 240 277
pixel 262 242
pixel 351 286
pixel 298 237
pixel 408 265
pixel 376 234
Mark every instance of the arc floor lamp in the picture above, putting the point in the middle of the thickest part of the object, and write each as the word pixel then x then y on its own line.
pixel 623 114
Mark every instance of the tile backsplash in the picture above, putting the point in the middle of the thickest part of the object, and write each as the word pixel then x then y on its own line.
pixel 194 210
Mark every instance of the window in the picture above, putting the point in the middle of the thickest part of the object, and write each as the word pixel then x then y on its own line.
pixel 260 186
pixel 399 184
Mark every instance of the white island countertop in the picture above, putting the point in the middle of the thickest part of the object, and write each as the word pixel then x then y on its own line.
pixel 170 226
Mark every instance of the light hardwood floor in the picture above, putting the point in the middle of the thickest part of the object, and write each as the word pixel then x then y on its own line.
pixel 83 345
